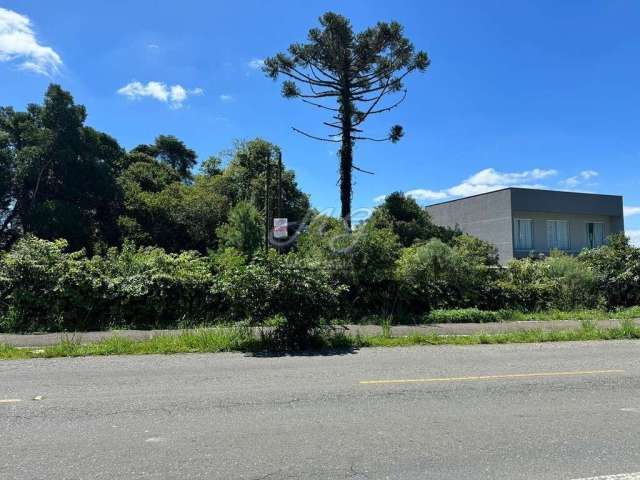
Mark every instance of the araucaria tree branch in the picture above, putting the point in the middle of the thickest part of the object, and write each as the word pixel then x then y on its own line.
pixel 355 72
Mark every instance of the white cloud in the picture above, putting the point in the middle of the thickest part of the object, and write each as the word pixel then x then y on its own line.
pixel 490 176
pixel 174 95
pixel 18 42
pixel 579 179
pixel 256 63
pixel 225 97
pixel 422 194
pixel 490 179
pixel 630 211
pixel 484 181
pixel 634 236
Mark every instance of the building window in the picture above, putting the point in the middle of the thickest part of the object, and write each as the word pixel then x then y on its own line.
pixel 523 233
pixel 558 234
pixel 595 234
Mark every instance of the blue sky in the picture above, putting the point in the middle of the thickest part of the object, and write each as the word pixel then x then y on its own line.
pixel 535 93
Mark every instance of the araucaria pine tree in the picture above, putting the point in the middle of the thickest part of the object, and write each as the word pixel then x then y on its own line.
pixel 350 75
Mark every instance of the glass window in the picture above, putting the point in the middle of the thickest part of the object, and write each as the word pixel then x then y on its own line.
pixel 558 234
pixel 595 234
pixel 523 233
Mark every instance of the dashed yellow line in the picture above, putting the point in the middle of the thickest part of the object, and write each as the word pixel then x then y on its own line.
pixel 490 377
pixel 10 400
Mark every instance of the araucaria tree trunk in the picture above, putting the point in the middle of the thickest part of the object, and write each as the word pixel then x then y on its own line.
pixel 346 154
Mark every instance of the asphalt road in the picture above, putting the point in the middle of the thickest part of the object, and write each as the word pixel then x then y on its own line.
pixel 545 411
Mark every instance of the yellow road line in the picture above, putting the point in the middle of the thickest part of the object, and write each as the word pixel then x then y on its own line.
pixel 490 377
pixel 10 400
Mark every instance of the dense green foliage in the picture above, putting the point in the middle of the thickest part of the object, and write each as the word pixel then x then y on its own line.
pixel 289 292
pixel 410 222
pixel 617 269
pixel 244 231
pixel 467 315
pixel 58 175
pixel 436 275
pixel 62 179
pixel 45 286
pixel 42 287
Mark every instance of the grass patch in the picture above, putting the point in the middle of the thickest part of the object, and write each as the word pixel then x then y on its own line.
pixel 474 315
pixel 205 340
pixel 626 331
pixel 239 339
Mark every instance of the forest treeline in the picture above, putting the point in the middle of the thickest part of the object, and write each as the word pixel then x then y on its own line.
pixel 60 178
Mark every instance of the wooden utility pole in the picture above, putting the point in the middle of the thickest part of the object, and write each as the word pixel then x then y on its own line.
pixel 279 204
pixel 279 176
pixel 267 205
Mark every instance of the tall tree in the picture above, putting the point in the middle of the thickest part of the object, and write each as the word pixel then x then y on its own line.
pixel 355 72
pixel 243 178
pixel 160 209
pixel 409 221
pixel 58 175
pixel 171 151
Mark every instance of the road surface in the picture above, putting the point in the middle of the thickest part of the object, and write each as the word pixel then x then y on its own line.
pixel 542 411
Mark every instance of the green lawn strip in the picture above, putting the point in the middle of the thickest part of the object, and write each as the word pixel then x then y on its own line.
pixel 528 336
pixel 473 315
pixel 233 339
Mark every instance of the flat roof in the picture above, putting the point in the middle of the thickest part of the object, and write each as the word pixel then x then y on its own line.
pixel 541 190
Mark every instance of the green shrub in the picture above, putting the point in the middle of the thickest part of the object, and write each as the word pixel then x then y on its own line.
pixel 466 315
pixel 363 260
pixel 429 276
pixel 559 281
pixel 575 284
pixel 244 230
pixel 526 286
pixel 44 288
pixel 435 275
pixel 616 268
pixel 296 293
pixel 32 276
pixel 148 287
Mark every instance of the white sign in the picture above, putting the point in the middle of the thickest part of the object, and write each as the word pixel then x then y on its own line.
pixel 280 228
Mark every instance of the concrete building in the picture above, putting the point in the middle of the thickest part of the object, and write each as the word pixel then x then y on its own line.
pixel 522 221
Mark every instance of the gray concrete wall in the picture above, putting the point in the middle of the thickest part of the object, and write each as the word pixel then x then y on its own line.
pixel 486 216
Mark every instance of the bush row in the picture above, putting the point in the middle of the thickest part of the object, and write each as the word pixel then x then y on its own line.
pixel 330 274
pixel 45 288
